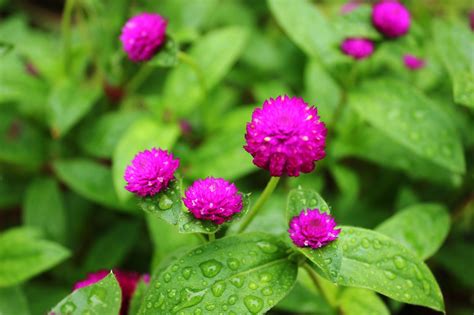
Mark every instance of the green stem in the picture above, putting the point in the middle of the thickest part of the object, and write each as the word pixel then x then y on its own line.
pixel 66 32
pixel 271 185
pixel 142 74
pixel 201 238
pixel 212 237
pixel 187 59
pixel 314 278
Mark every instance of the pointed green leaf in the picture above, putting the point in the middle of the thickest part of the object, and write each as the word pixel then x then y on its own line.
pixel 216 277
pixel 101 298
pixel 23 255
pixel 137 298
pixel 421 228
pixel 167 55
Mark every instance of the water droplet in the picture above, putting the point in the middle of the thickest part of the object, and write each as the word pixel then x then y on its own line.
pixel 267 291
pixel 197 251
pixel 426 287
pixel 167 277
pixel 232 299
pixel 157 285
pixel 97 296
pixel 186 272
pixel 161 299
pixel 175 268
pixel 409 283
pixel 68 308
pixel 233 263
pixel 313 203
pixel 225 307
pixel 210 307
pixel 377 244
pixel 267 247
pixel 197 311
pixel 406 296
pixel 172 293
pixel 253 303
pixel 189 297
pixel 237 281
pixel 165 203
pixel 218 288
pixel 253 285
pixel 265 277
pixel 399 262
pixel 210 268
pixel 365 243
pixel 390 275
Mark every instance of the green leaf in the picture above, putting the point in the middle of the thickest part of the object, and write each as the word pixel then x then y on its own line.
pixel 90 180
pixel 302 300
pixel 457 258
pixel 421 228
pixel 137 297
pixel 144 134
pixel 213 55
pixel 189 224
pixel 13 301
pixel 167 55
pixel 43 209
pixel 454 44
pixel 5 48
pixel 356 23
pixel 305 25
pixel 327 258
pixel 377 262
pixel 68 103
pixel 101 136
pixel 167 204
pixel 21 143
pixel 216 277
pixel 355 301
pixel 321 90
pixel 409 118
pixel 110 248
pixel 23 255
pixel 42 294
pixel 101 298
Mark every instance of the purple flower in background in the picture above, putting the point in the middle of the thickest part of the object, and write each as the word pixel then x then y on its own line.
pixel 312 228
pixel 213 199
pixel 286 136
pixel 471 20
pixel 127 280
pixel 412 62
pixel 349 6
pixel 142 35
pixel 150 172
pixel 357 48
pixel 391 18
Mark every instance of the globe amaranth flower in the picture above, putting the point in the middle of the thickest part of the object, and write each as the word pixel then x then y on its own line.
pixel 286 136
pixel 142 35
pixel 150 172
pixel 391 18
pixel 471 20
pixel 127 281
pixel 357 48
pixel 413 62
pixel 213 199
pixel 312 228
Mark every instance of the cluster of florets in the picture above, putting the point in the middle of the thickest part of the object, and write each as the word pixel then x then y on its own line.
pixel 392 19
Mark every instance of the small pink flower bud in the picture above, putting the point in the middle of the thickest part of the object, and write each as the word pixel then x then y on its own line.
pixel 412 62
pixel 391 18
pixel 357 48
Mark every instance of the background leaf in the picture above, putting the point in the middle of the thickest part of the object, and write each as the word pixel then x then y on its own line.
pixel 13 301
pixel 355 301
pixel 101 298
pixel 217 272
pixel 421 228
pixel 23 255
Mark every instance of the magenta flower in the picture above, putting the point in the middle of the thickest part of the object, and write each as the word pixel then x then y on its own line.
pixel 150 172
pixel 357 48
pixel 127 280
pixel 391 18
pixel 312 228
pixel 142 35
pixel 213 199
pixel 471 19
pixel 412 62
pixel 286 136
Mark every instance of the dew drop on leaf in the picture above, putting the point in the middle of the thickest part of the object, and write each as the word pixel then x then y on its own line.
pixel 186 272
pixel 399 262
pixel 267 247
pixel 210 268
pixel 253 303
pixel 218 288
pixel 233 263
pixel 165 203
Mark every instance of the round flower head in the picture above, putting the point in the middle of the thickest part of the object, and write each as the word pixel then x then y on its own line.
pixel 213 199
pixel 413 63
pixel 150 172
pixel 471 19
pixel 127 280
pixel 357 48
pixel 142 35
pixel 312 228
pixel 391 18
pixel 286 136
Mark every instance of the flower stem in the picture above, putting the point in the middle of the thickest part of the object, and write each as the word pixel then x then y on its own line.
pixel 187 59
pixel 139 77
pixel 271 185
pixel 314 278
pixel 212 237
pixel 66 32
